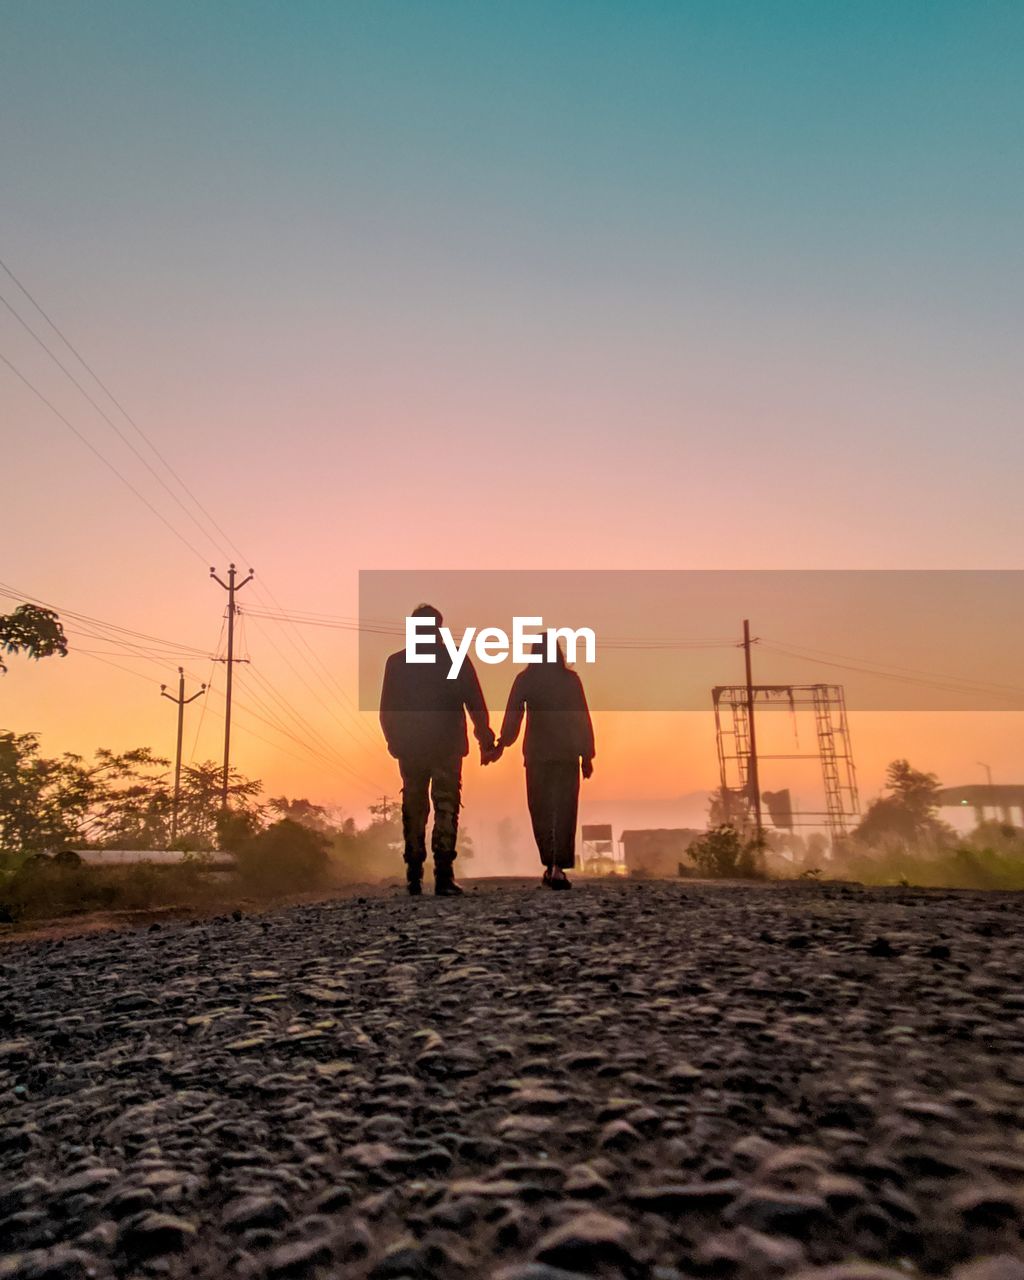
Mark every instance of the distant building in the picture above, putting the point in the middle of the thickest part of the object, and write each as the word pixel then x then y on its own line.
pixel 658 852
pixel 1001 800
pixel 597 855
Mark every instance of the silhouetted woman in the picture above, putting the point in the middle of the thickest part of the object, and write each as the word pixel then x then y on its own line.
pixel 558 743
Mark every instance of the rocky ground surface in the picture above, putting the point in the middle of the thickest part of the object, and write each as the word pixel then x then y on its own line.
pixel 643 1081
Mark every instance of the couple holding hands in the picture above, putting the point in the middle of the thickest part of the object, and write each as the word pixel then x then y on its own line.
pixel 423 715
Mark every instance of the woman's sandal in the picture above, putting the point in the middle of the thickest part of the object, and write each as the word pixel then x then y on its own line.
pixel 549 880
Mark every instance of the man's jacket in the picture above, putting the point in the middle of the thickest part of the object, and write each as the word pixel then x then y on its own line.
pixel 423 713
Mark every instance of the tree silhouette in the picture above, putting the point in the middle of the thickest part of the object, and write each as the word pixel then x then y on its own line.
pixel 727 808
pixel 120 800
pixel 33 631
pixel 43 802
pixel 909 813
pixel 312 816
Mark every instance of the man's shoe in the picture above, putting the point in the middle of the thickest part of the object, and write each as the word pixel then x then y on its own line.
pixel 445 887
pixel 559 880
pixel 414 877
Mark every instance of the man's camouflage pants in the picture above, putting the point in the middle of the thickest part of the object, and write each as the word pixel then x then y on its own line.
pixel 438 783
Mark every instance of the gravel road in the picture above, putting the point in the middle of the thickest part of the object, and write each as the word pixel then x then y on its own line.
pixel 640 1080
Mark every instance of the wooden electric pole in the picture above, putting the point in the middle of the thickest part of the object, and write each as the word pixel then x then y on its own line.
pixel 181 702
pixel 231 587
pixel 383 809
pixel 753 782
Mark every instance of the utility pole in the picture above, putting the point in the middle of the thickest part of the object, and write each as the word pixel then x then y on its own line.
pixel 383 808
pixel 753 782
pixel 231 587
pixel 182 702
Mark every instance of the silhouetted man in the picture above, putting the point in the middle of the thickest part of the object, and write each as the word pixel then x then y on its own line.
pixel 423 715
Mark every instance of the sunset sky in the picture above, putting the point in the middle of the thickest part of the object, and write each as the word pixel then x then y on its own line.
pixel 451 285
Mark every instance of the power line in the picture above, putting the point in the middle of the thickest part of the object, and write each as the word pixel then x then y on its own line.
pixel 370 627
pixel 86 653
pixel 157 656
pixel 102 457
pixel 245 710
pixel 324 674
pixel 274 717
pixel 273 721
pixel 161 654
pixel 113 399
pixel 176 646
pixel 316 665
pixel 161 663
pixel 232 587
pixel 209 690
pixel 330 680
pixel 299 676
pixel 951 684
pixel 249 732
pixel 134 651
pixel 305 726
pixel 327 749
pixel 258 736
pixel 894 667
pixel 106 417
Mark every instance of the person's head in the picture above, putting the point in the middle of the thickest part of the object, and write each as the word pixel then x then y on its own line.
pixel 541 647
pixel 427 611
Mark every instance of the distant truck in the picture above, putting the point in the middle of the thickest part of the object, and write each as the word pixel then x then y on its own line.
pixel 659 852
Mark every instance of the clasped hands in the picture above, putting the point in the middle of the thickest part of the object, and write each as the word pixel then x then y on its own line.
pixel 493 753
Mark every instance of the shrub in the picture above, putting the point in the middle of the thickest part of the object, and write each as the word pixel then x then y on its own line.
pixel 285 857
pixel 48 889
pixel 41 889
pixel 235 828
pixel 722 854
pixel 962 868
pixel 374 853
